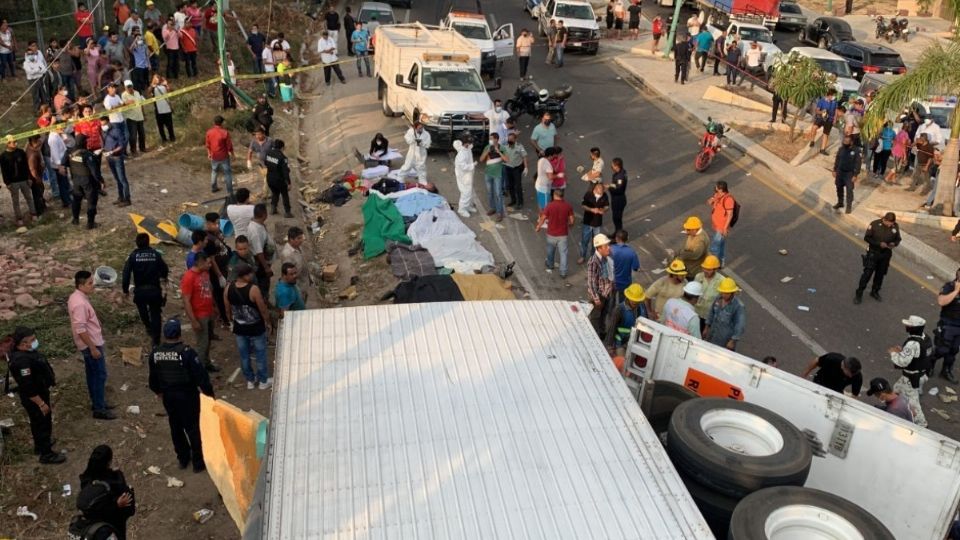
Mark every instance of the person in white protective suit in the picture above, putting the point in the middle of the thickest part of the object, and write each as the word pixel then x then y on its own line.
pixel 463 166
pixel 419 141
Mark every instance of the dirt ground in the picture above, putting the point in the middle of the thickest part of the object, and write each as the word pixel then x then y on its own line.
pixel 780 143
pixel 164 183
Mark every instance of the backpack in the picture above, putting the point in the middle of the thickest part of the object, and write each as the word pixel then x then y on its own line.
pixel 92 500
pixel 736 212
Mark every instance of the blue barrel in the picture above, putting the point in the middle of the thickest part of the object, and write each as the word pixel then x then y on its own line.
pixel 183 236
pixel 192 222
pixel 226 227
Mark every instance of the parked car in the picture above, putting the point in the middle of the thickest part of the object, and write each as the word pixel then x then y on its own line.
pixel 402 3
pixel 825 31
pixel 834 64
pixel 869 58
pixel 383 12
pixel 579 18
pixel 791 17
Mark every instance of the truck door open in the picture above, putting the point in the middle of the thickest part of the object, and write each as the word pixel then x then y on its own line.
pixel 503 41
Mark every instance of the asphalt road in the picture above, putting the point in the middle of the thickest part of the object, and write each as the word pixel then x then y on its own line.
pixel 658 148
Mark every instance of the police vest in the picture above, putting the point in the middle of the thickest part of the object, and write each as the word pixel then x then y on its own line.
pixel 171 370
pixel 921 362
pixel 627 321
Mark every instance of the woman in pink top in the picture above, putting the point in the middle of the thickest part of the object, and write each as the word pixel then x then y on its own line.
pixel 94 63
pixel 899 152
pixel 559 164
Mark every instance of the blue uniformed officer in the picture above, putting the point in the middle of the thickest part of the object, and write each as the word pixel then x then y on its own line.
pixel 150 273
pixel 34 378
pixel 178 377
pixel 881 237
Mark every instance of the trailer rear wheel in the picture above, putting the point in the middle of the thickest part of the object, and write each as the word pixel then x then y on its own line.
pixel 717 509
pixel 797 512
pixel 736 448
pixel 665 399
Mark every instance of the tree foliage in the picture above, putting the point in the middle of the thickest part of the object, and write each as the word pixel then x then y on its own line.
pixel 798 80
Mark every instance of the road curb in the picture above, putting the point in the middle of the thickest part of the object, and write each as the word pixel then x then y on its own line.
pixel 912 248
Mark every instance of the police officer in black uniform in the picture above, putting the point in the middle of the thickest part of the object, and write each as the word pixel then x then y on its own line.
pixel 278 177
pixel 150 273
pixel 846 167
pixel 83 175
pixel 947 334
pixel 177 377
pixel 882 236
pixel 34 378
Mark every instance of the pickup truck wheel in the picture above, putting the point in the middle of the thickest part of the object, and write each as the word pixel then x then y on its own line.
pixel 798 512
pixel 384 106
pixel 824 43
pixel 802 38
pixel 665 399
pixel 736 448
pixel 716 508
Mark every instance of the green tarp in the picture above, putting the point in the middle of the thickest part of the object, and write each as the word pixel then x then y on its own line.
pixel 381 222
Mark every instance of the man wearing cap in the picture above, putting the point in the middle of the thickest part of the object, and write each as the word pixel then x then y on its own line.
pixel 625 262
pixel 680 313
pixel 948 328
pixel 88 336
pixel 624 317
pixel 836 372
pixel 913 359
pixel 695 245
pixel 150 273
pixel 882 236
pixel 727 318
pixel 665 288
pixel 710 279
pixel 34 377
pixel 600 276
pixel 178 377
pixel 890 401
pixel 134 118
pixel 152 14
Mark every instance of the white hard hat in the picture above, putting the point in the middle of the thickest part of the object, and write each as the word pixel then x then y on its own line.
pixel 600 240
pixel 914 322
pixel 693 288
pixel 544 93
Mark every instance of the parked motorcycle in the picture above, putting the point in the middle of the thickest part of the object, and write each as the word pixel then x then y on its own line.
pixel 899 29
pixel 709 145
pixel 530 99
pixel 882 27
pixel 904 25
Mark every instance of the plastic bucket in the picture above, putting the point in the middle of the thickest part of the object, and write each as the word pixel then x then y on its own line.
pixel 286 93
pixel 192 222
pixel 226 227
pixel 104 276
pixel 183 236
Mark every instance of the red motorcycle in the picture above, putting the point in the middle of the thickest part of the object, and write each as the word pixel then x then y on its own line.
pixel 709 145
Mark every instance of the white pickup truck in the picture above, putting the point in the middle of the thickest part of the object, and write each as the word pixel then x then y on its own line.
pixel 432 75
pixel 494 47
pixel 905 476
pixel 748 32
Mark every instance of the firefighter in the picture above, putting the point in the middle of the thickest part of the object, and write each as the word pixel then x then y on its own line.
pixel 913 359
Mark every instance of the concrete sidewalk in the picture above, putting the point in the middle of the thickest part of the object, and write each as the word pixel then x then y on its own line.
pixel 809 175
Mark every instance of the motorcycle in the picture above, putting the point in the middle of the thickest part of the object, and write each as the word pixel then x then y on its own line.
pixel 904 28
pixel 529 99
pixel 709 145
pixel 898 30
pixel 882 27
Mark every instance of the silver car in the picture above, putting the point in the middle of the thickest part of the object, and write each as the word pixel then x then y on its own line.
pixel 791 17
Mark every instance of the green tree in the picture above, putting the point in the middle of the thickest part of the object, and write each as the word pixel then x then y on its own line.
pixel 799 80
pixel 937 72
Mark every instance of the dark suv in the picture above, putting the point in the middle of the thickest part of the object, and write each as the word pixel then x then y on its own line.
pixel 869 58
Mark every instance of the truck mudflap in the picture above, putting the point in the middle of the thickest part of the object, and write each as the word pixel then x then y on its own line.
pixel 853 441
pixel 451 127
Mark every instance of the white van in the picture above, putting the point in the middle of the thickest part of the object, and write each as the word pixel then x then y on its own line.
pixel 494 47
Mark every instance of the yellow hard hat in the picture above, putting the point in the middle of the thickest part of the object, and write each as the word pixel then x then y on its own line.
pixel 710 263
pixel 634 293
pixel 693 222
pixel 677 268
pixel 728 285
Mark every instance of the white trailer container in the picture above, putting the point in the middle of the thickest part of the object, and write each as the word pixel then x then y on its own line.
pixel 462 420
pixel 906 476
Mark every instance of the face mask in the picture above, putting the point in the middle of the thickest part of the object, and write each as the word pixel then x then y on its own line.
pixel 35 344
pixel 104 128
pixel 498 108
pixel 254 32
pixel 64 93
pixel 927 122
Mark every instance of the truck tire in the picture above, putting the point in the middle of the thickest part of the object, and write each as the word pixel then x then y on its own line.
pixel 805 513
pixel 824 42
pixel 736 448
pixel 716 509
pixel 384 106
pixel 802 38
pixel 666 397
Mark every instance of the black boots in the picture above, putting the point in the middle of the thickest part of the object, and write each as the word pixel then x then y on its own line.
pixel 858 296
pixel 948 375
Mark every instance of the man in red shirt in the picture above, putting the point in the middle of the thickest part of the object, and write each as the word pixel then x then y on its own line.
pixel 84 20
pixel 558 217
pixel 189 43
pixel 90 127
pixel 197 294
pixel 722 205
pixel 220 150
pixel 210 23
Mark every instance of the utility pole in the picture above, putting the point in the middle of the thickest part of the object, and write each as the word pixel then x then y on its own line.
pixel 222 50
pixel 671 36
pixel 36 20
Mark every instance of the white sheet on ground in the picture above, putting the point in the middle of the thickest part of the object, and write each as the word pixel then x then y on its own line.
pixel 461 252
pixel 440 221
pixel 390 155
pixel 375 172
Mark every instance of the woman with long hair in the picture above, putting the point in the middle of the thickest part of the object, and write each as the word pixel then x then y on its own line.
pixel 120 505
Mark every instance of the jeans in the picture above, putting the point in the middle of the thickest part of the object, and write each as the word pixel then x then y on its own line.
pixel 7 65
pixel 365 58
pixel 63 187
pixel 36 92
pixel 96 371
pixel 258 64
pixel 70 82
pixel 933 193
pixel 718 245
pixel 880 160
pixel 700 60
pixel 494 192
pixel 558 55
pixel 51 173
pixel 224 165
pixel 258 344
pixel 555 244
pixel 16 190
pixel 731 75
pixel 334 68
pixel 586 240
pixel 119 170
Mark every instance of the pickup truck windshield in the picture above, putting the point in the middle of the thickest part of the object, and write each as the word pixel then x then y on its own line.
pixel 941 115
pixel 837 67
pixel 756 34
pixel 472 31
pixel 574 11
pixel 450 80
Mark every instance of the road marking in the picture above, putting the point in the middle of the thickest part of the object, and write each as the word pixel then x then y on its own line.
pixel 741 163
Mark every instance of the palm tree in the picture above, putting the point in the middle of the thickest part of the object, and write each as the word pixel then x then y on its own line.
pixel 798 80
pixel 937 72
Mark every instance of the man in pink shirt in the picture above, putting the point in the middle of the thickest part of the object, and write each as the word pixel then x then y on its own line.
pixel 88 335
pixel 171 44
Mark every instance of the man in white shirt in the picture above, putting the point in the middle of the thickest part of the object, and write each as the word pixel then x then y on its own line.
pixel 497 117
pixel 752 59
pixel 241 213
pixel 112 101
pixel 932 129
pixel 58 158
pixel 134 21
pixel 327 48
pixel 34 67
pixel 284 44
pixel 693 24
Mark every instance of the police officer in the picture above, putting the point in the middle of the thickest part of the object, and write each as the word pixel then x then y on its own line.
pixel 83 175
pixel 948 328
pixel 846 167
pixel 150 273
pixel 913 359
pixel 278 177
pixel 34 378
pixel 176 375
pixel 882 236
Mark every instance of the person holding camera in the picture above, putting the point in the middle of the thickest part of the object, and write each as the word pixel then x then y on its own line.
pixel 419 141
